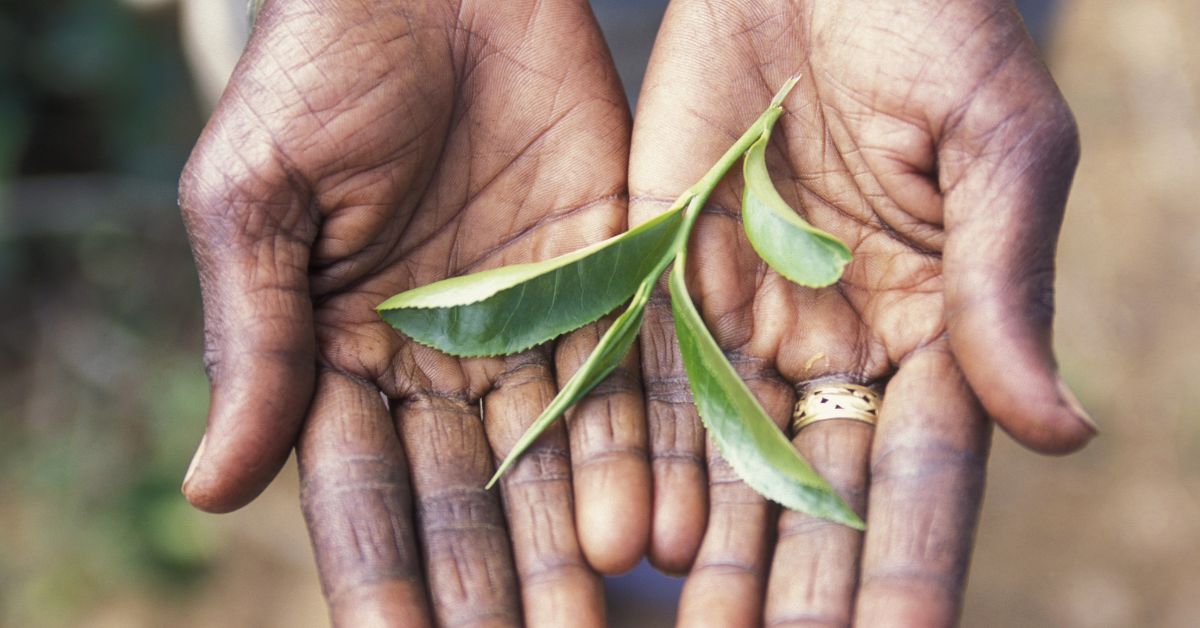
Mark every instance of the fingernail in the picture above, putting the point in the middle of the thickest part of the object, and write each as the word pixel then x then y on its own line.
pixel 1072 402
pixel 195 459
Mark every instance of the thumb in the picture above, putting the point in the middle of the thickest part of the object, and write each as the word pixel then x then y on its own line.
pixel 251 237
pixel 1009 159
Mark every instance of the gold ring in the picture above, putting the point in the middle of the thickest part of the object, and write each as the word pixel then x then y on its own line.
pixel 825 402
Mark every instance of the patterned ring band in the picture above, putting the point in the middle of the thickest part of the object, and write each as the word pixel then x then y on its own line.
pixel 824 402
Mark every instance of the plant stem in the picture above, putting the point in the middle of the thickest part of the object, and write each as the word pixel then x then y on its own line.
pixel 697 195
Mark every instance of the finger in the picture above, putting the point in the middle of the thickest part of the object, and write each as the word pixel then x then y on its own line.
pixel 673 145
pixel 558 588
pixel 725 586
pixel 927 475
pixel 609 463
pixel 814 572
pixel 252 255
pixel 1006 167
pixel 677 445
pixel 356 500
pixel 468 562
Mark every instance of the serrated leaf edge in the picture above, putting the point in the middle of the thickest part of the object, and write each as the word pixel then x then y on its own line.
pixel 844 515
pixel 399 301
pixel 495 355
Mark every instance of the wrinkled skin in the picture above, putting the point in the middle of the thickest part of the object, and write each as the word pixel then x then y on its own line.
pixel 364 148
pixel 928 136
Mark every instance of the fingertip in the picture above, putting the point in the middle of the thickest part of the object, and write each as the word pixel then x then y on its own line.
pixel 610 468
pixel 198 492
pixel 217 486
pixel 248 441
pixel 381 605
pixel 1041 413
pixel 1059 438
pixel 1076 409
pixel 1064 429
pixel 216 500
pixel 673 555
pixel 1008 360
pixel 680 517
pixel 613 510
pixel 901 604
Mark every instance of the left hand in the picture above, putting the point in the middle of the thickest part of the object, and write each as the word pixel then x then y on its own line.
pixel 362 148
pixel 930 138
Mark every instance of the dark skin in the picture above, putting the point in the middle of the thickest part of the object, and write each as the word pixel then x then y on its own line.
pixel 366 147
pixel 930 138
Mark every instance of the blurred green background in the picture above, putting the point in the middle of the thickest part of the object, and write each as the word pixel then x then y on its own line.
pixel 102 396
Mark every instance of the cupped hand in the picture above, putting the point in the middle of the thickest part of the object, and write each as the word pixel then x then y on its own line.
pixel 362 149
pixel 930 138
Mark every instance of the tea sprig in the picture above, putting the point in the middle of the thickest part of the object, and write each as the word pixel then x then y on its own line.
pixel 481 315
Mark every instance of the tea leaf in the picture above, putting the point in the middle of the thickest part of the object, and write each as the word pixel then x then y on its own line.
pixel 746 437
pixel 608 354
pixel 509 309
pixel 794 248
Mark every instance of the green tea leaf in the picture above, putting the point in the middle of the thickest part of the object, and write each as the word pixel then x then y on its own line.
pixel 509 309
pixel 608 354
pixel 794 248
pixel 747 438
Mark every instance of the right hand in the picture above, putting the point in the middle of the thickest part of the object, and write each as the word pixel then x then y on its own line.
pixel 927 135
pixel 363 148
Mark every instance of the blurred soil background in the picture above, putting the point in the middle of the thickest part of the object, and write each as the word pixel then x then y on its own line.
pixel 102 396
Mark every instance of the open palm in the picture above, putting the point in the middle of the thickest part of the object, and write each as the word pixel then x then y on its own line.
pixel 363 149
pixel 931 140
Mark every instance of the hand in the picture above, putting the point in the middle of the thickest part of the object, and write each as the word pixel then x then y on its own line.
pixel 362 149
pixel 928 136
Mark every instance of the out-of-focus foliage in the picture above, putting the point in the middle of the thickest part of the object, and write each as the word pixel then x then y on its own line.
pixel 101 395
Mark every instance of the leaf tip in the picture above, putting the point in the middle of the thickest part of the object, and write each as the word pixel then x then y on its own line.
pixel 495 478
pixel 783 92
pixel 838 511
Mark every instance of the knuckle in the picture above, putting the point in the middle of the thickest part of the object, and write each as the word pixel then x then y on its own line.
pixel 917 466
pixel 672 389
pixel 523 369
pixel 468 558
pixel 672 456
pixel 351 475
pixel 238 200
pixel 621 381
pixel 555 570
pixel 934 585
pixel 211 357
pixel 720 472
pixel 238 187
pixel 539 468
pixel 676 434
pixel 813 619
pixel 607 455
pixel 805 526
pixel 455 513
pixel 725 568
pixel 359 524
